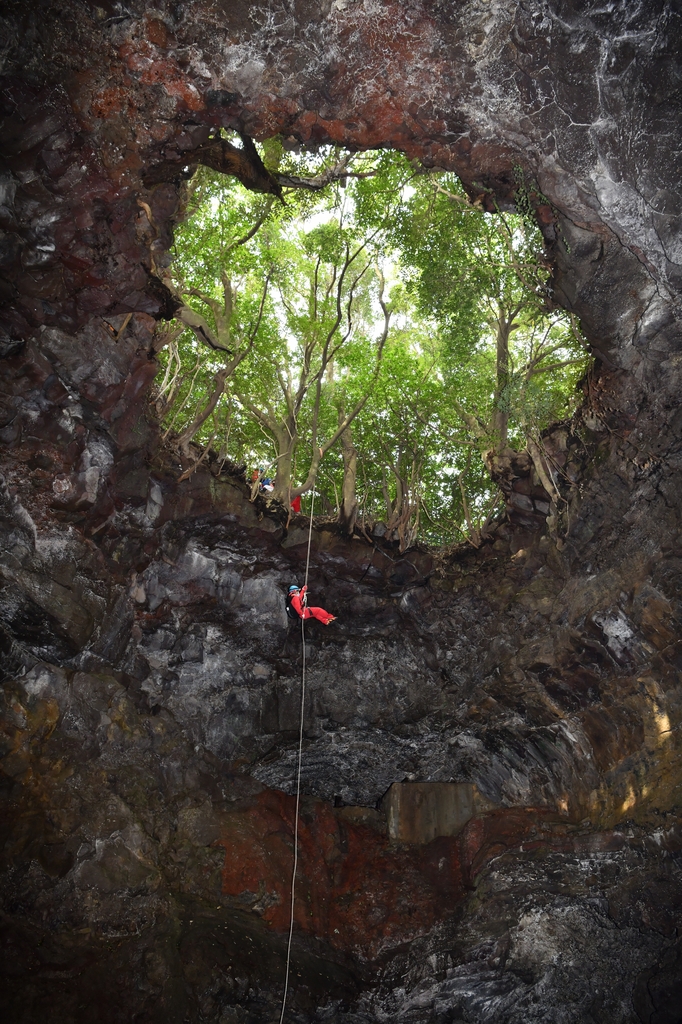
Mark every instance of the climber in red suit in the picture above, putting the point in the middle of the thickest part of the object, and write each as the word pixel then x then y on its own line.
pixel 295 600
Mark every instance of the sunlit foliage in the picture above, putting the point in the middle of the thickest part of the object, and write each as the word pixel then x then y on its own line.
pixel 371 339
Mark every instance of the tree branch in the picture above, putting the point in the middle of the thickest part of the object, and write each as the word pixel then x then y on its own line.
pixel 249 234
pixel 220 155
pixel 536 371
pixel 545 476
pixel 199 326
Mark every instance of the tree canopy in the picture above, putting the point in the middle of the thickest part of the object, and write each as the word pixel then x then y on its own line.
pixel 370 334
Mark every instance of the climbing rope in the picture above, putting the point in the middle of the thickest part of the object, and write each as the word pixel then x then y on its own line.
pixel 298 772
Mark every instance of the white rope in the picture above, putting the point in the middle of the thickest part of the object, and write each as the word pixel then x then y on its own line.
pixel 298 773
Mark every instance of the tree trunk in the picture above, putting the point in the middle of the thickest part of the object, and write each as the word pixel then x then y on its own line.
pixel 199 420
pixel 501 414
pixel 387 497
pixel 349 506
pixel 397 510
pixel 287 439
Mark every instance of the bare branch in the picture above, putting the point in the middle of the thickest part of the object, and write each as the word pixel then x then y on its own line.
pixel 182 405
pixel 200 327
pixel 554 366
pixel 257 324
pixel 249 234
pixel 263 418
pixel 477 427
pixel 337 172
pixel 474 536
pixel 212 303
pixel 476 204
pixel 576 333
pixel 544 473
pixel 220 155
pixel 200 418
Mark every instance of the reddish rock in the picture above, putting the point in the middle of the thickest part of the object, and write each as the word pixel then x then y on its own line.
pixel 355 888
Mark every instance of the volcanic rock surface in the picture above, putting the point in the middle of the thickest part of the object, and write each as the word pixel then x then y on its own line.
pixel 151 679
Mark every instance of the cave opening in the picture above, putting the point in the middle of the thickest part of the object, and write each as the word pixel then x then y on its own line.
pixel 413 342
pixel 490 825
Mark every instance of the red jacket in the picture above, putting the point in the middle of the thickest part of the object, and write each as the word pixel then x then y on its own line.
pixel 310 613
pixel 297 601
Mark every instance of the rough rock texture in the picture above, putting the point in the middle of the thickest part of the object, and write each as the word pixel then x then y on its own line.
pixel 150 675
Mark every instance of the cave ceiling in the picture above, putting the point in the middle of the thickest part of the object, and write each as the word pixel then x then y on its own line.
pixel 151 680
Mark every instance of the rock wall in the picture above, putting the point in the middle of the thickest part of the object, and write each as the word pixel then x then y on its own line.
pixel 151 680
